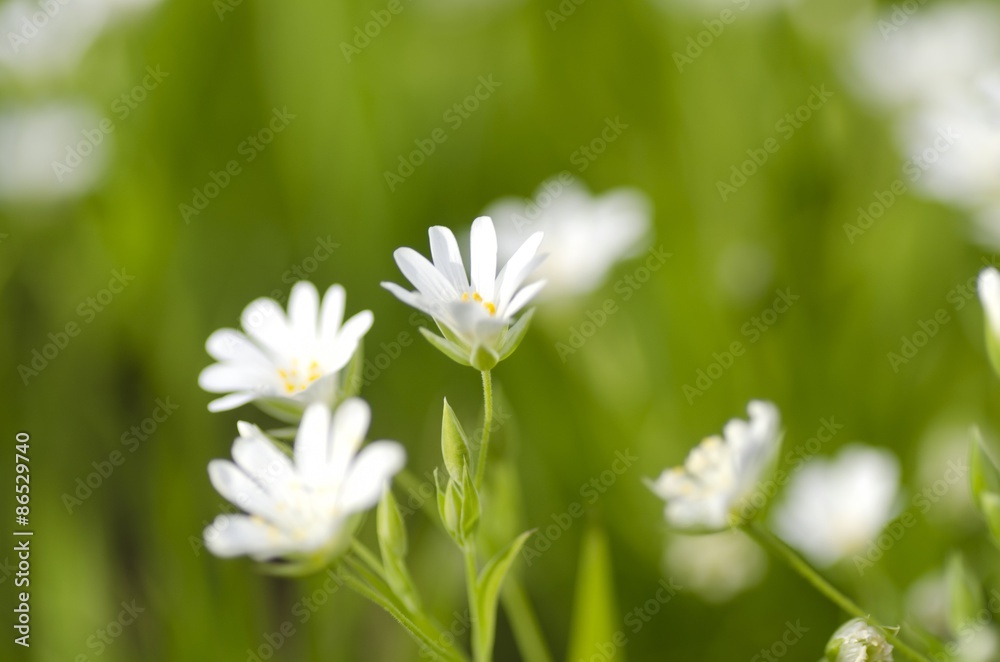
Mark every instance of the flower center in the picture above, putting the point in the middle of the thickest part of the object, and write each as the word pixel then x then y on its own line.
pixel 295 380
pixel 490 308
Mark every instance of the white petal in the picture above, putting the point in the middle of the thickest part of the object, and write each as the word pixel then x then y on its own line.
pixel 350 425
pixel 303 311
pixel 523 298
pixel 989 295
pixel 226 377
pixel 332 313
pixel 239 489
pixel 231 401
pixel 414 299
pixel 236 535
pixel 516 269
pixel 312 445
pixel 447 257
pixel 347 340
pixel 262 461
pixel 428 280
pixel 483 257
pixel 377 463
pixel 230 345
pixel 264 321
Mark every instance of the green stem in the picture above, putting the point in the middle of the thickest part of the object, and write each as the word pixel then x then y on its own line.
pixel 472 590
pixel 377 597
pixel 771 542
pixel 524 623
pixel 484 447
pixel 368 556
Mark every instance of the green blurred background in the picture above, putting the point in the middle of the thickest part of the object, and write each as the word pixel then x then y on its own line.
pixel 135 538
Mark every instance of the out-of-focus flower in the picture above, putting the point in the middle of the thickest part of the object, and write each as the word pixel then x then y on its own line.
pixel 927 600
pixel 301 508
pixel 711 491
pixel 585 235
pixel 285 362
pixel 989 296
pixel 50 38
pixel 857 641
pixel 474 311
pixel 834 508
pixel 36 143
pixel 718 566
pixel 938 72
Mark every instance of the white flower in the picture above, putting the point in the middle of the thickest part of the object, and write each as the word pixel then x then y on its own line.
pixel 715 488
pixel 833 509
pixel 857 641
pixel 285 362
pixel 474 311
pixel 36 139
pixel 716 567
pixel 989 296
pixel 585 235
pixel 301 507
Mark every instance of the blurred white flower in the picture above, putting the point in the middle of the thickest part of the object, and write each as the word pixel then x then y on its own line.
pixel 710 492
pixel 284 362
pixel 718 566
pixel 989 296
pixel 857 641
pixel 33 140
pixel 301 506
pixel 932 56
pixel 50 38
pixel 585 235
pixel 473 310
pixel 834 508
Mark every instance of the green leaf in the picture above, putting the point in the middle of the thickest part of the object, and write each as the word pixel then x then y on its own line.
pixel 992 346
pixel 446 347
pixel 594 614
pixel 471 509
pixel 354 373
pixel 454 443
pixel 983 473
pixel 449 498
pixel 989 503
pixel 965 598
pixel 515 334
pixel 390 527
pixel 488 590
